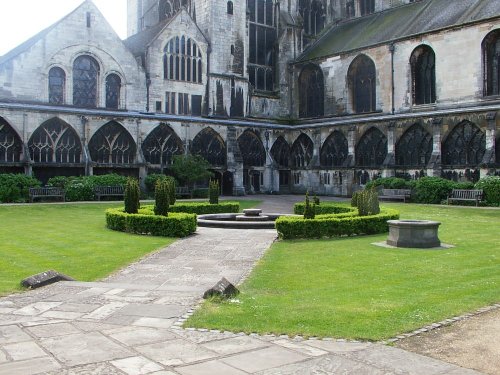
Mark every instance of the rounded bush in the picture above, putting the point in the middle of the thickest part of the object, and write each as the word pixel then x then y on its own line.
pixel 15 187
pixel 491 188
pixel 432 189
pixel 146 222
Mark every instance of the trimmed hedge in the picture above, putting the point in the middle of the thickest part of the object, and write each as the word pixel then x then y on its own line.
pixel 335 225
pixel 491 188
pixel 145 222
pixel 203 208
pixel 323 208
pixel 82 188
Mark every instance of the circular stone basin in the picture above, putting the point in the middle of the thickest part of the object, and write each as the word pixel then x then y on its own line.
pixel 252 212
pixel 230 221
pixel 421 234
pixel 252 218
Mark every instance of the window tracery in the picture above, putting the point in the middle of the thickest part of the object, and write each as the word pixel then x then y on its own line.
pixel 362 81
pixel 464 146
pixel 161 145
pixel 311 95
pixel 182 60
pixel 112 144
pixel 423 70
pixel 302 151
pixel 85 81
pixel 113 87
pixel 371 149
pixel 10 144
pixel 313 13
pixel 252 149
pixel 335 150
pixel 55 142
pixel 169 8
pixel 210 145
pixel 280 151
pixel 57 84
pixel 414 148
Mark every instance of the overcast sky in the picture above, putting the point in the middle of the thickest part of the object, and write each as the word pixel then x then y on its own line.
pixel 21 19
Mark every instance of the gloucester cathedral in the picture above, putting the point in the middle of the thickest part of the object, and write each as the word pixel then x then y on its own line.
pixel 277 95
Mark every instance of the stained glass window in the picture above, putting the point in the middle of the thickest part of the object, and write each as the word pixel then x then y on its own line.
pixel 363 84
pixel 57 83
pixel 311 86
pixel 85 81
pixel 491 61
pixel 112 144
pixel 113 87
pixel 423 69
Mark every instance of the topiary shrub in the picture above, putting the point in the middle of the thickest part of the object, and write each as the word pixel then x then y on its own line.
pixel 132 196
pixel 162 197
pixel 309 209
pixel 367 202
pixel 151 180
pixel 491 188
pixel 15 187
pixel 354 199
pixel 432 189
pixel 213 192
pixel 316 200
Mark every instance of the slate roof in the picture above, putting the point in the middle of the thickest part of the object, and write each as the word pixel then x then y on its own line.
pixel 399 23
pixel 138 43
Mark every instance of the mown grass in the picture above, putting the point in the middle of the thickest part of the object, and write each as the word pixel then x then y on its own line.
pixel 70 238
pixel 349 288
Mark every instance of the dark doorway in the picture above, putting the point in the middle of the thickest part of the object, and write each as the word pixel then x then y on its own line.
pixel 227 183
pixel 284 181
pixel 255 178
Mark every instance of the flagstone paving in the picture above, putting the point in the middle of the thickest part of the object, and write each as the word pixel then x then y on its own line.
pixel 129 323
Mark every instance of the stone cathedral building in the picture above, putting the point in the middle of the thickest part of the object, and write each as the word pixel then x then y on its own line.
pixel 278 96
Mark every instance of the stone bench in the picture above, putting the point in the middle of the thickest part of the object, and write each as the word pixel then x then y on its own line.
pixel 466 195
pixel 395 194
pixel 47 192
pixel 109 191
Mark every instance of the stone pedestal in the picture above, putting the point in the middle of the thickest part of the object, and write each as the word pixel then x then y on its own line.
pixel 413 233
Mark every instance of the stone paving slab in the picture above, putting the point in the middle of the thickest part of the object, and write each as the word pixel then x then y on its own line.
pixel 125 323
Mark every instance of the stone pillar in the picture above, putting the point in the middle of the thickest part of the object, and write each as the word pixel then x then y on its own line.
pixel 348 185
pixel 434 166
pixel 28 167
pixel 388 165
pixel 89 170
pixel 489 159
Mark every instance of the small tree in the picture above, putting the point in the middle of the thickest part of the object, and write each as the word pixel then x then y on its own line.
pixel 367 202
pixel 213 192
pixel 316 200
pixel 309 209
pixel 162 199
pixel 190 168
pixel 132 196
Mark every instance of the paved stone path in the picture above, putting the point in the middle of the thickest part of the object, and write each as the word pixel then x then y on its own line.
pixel 130 323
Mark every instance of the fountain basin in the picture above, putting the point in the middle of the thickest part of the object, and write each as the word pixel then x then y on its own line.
pixel 421 234
pixel 230 221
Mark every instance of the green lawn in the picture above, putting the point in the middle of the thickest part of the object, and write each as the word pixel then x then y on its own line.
pixel 70 238
pixel 348 288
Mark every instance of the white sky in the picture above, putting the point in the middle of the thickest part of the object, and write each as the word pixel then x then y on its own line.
pixel 21 19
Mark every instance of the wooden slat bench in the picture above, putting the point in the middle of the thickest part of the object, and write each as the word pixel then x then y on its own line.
pixel 395 194
pixel 109 191
pixel 47 192
pixel 466 195
pixel 183 191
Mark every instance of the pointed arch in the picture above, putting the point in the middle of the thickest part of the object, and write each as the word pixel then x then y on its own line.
pixel 335 150
pixel 210 145
pixel 55 141
pixel 113 88
pixel 464 146
pixel 371 149
pixel 161 145
pixel 11 145
pixel 85 81
pixel 414 148
pixel 423 74
pixel 362 82
pixel 302 151
pixel 491 63
pixel 311 94
pixel 280 152
pixel 251 148
pixel 57 85
pixel 112 144
pixel 182 60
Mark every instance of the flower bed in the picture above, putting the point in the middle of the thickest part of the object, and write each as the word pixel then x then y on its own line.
pixel 146 222
pixel 334 225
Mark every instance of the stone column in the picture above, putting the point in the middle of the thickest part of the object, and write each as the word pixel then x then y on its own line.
pixel 434 166
pixel 143 171
pixel 28 168
pixel 348 185
pixel 388 170
pixel 89 170
pixel 489 159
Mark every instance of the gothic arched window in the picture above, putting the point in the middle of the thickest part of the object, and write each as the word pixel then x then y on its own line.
pixel 252 150
pixel 112 144
pixel 168 8
pixel 491 62
pixel 302 151
pixel 423 74
pixel 366 7
pixel 334 150
pixel 85 81
pixel 362 82
pixel 55 142
pixel 57 84
pixel 10 144
pixel 311 86
pixel 464 146
pixel 371 149
pixel 210 145
pixel 414 148
pixel 161 145
pixel 313 13
pixel 182 60
pixel 281 152
pixel 230 7
pixel 113 87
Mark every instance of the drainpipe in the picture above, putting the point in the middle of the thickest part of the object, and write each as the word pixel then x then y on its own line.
pixel 391 49
pixel 148 83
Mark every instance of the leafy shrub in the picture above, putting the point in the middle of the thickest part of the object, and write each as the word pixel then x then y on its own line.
pixel 151 180
pixel 316 200
pixel 145 222
pixel 367 202
pixel 391 183
pixel 200 193
pixel 324 208
pixel 111 179
pixel 203 208
pixel 162 197
pixel 82 188
pixel 432 189
pixel 309 209
pixel 354 199
pixel 213 192
pixel 345 224
pixel 15 187
pixel 132 196
pixel 491 188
